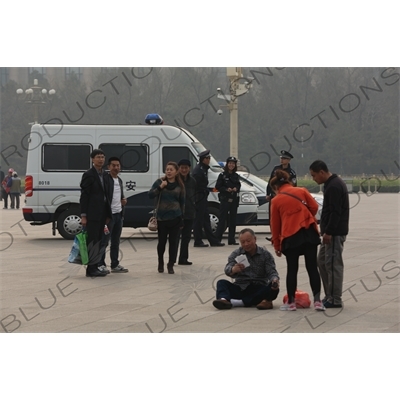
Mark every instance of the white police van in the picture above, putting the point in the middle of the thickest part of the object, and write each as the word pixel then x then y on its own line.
pixel 59 154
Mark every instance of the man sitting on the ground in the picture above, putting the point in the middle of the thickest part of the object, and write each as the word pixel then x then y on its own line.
pixel 256 279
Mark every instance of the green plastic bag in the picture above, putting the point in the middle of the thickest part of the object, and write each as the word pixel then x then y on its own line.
pixel 82 239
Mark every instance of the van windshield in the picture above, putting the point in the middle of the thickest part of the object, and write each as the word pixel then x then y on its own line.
pixel 214 166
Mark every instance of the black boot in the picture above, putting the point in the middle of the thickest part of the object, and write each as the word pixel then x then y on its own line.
pixel 161 266
pixel 170 267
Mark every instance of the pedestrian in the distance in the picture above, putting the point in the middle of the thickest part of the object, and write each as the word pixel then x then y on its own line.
pixel 15 190
pixel 5 188
pixel 1 180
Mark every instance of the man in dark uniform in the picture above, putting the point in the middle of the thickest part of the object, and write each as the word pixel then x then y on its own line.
pixel 285 166
pixel 202 219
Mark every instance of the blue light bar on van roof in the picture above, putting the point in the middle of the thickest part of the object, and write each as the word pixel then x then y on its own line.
pixel 153 119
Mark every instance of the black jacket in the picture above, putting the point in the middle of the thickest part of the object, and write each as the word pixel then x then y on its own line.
pixel 190 197
pixel 226 180
pixel 199 173
pixel 289 170
pixel 93 200
pixel 336 210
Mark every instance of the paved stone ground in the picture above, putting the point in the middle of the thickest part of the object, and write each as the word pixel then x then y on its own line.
pixel 42 292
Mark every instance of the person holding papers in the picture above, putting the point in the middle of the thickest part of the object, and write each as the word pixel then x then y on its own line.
pixel 256 279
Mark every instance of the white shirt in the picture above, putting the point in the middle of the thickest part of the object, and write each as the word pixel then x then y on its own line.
pixel 116 206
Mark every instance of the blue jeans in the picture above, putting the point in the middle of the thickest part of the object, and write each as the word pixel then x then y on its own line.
pixel 251 296
pixel 115 228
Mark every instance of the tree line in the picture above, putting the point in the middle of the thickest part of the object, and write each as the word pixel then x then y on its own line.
pixel 349 117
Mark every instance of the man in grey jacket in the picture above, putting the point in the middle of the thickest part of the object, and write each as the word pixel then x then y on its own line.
pixel 256 279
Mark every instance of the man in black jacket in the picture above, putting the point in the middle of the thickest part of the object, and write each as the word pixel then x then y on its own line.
pixel 95 210
pixel 202 220
pixel 334 227
pixel 115 193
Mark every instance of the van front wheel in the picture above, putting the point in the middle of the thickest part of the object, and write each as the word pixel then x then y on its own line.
pixel 69 223
pixel 214 218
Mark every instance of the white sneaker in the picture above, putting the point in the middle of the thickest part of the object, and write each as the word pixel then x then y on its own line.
pixel 318 306
pixel 119 268
pixel 288 307
pixel 103 268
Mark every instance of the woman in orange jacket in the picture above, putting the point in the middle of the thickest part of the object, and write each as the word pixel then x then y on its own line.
pixel 295 233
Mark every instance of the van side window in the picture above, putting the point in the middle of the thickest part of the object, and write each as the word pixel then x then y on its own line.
pixel 176 154
pixel 134 156
pixel 66 157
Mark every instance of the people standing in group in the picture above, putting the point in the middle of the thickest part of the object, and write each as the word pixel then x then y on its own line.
pixel 202 220
pixel 334 225
pixel 256 278
pixel 228 186
pixel 115 192
pixel 190 211
pixel 169 195
pixel 95 210
pixel 15 190
pixel 294 233
pixel 5 189
pixel 284 165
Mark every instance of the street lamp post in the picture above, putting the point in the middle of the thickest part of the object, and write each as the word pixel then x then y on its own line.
pixel 36 96
pixel 236 89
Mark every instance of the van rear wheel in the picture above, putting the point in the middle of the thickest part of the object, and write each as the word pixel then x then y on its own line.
pixel 69 223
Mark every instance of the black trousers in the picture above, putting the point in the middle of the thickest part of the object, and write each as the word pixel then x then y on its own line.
pixel 251 296
pixel 184 236
pixel 227 215
pixel 202 221
pixel 5 196
pixel 95 230
pixel 292 259
pixel 168 231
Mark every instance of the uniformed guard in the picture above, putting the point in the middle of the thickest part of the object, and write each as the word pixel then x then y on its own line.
pixel 202 219
pixel 228 186
pixel 284 165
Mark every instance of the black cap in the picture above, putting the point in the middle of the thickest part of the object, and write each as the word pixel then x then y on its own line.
pixel 184 161
pixel 204 154
pixel 231 158
pixel 285 154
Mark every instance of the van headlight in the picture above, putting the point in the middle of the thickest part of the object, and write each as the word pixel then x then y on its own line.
pixel 248 198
